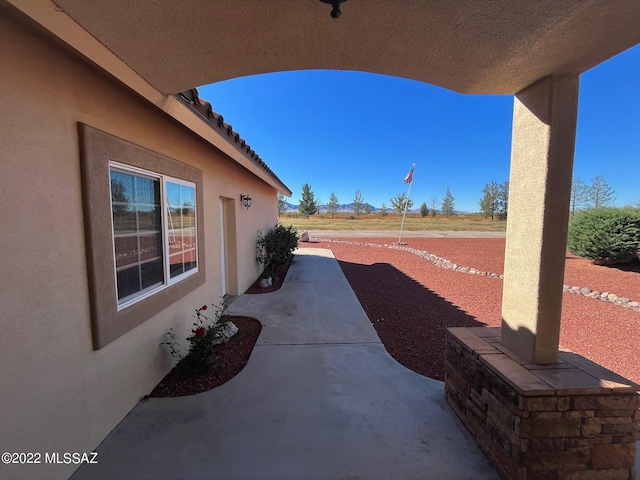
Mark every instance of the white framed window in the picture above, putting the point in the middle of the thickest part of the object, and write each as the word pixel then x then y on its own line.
pixel 145 243
pixel 154 229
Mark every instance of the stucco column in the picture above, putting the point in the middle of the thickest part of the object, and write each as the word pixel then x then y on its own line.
pixel 543 143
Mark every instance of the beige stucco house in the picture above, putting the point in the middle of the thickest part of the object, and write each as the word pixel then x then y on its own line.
pixel 90 94
pixel 86 300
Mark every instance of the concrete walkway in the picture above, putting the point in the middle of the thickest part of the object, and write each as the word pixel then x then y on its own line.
pixel 319 399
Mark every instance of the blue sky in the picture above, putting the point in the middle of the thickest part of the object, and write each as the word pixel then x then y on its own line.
pixel 341 131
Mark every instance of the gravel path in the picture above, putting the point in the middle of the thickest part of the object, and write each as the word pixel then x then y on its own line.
pixel 411 299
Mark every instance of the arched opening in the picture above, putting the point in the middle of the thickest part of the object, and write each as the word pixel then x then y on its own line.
pixel 535 51
pixel 355 130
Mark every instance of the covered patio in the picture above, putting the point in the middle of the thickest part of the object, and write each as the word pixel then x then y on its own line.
pixel 534 51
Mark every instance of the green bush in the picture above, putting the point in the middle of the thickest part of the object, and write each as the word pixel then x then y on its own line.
pixel 275 248
pixel 606 235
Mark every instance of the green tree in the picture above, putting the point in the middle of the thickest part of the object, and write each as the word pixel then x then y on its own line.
pixel 366 209
pixel 282 204
pixel 485 203
pixel 580 196
pixel 398 203
pixel 358 203
pixel 448 204
pixel 600 193
pixel 307 204
pixel 503 200
pixel 490 201
pixel 383 210
pixel 332 206
pixel 424 210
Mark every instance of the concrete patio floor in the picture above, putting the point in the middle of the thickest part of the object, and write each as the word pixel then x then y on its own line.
pixel 320 398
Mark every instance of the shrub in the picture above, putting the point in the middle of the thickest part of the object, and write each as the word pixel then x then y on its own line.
pixel 275 248
pixel 606 235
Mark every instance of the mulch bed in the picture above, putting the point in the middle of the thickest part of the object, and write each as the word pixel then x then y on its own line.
pixel 226 363
pixel 277 280
pixel 228 360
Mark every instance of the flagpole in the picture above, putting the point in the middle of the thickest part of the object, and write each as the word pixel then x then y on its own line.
pixel 406 203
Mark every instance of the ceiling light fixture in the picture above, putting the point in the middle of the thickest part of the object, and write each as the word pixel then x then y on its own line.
pixel 335 12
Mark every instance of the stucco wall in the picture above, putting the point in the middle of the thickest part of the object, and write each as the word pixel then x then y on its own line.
pixel 57 394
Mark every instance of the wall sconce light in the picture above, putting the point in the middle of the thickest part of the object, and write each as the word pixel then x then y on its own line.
pixel 246 200
pixel 335 11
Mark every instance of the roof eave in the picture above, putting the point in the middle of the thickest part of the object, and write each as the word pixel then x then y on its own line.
pixel 214 120
pixel 46 17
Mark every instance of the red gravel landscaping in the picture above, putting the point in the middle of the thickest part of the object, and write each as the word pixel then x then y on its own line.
pixel 411 301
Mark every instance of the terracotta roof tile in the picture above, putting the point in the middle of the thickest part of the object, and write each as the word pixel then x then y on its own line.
pixel 216 121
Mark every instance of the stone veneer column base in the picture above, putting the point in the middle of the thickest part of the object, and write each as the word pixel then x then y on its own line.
pixel 573 420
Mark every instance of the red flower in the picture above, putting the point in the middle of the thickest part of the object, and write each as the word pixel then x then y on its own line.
pixel 204 307
pixel 200 332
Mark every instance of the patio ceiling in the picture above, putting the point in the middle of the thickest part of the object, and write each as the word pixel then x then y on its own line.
pixel 469 46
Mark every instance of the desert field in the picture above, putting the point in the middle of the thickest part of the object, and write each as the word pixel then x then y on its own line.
pixel 392 222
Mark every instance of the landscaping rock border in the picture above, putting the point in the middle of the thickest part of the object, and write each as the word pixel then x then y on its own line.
pixel 605 296
pixel 448 265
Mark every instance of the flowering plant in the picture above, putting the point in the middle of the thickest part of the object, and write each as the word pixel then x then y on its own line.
pixel 206 333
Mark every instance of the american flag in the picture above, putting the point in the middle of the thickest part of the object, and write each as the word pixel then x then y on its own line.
pixel 409 177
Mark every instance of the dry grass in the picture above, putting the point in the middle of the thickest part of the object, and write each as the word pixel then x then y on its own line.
pixel 392 222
